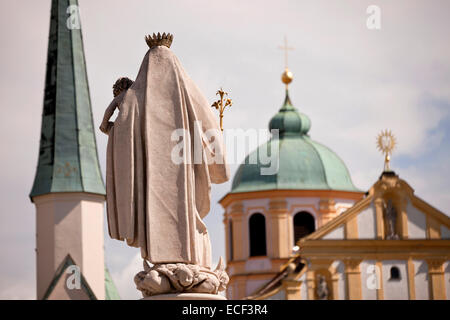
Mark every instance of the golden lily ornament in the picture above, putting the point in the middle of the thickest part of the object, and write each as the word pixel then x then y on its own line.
pixel 221 104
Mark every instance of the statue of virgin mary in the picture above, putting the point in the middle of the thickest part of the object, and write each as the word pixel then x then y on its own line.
pixel 154 202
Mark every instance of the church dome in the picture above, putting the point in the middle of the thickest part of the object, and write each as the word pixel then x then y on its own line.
pixel 303 164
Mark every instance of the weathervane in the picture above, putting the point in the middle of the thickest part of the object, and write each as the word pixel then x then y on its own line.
pixel 386 143
pixel 221 104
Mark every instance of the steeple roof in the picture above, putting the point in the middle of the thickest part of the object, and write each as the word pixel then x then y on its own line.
pixel 68 160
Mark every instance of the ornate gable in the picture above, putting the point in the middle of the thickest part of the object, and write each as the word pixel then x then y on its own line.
pixel 390 211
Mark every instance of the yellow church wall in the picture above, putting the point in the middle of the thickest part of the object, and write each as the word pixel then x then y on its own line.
pixel 355 239
pixel 379 282
pixel 236 219
pixel 279 229
pixel 356 282
pixel 279 220
pixel 279 213
pixel 436 279
pixel 259 264
pixel 245 284
pixel 347 248
pixel 353 277
pixel 433 228
pixel 255 265
pixel 412 257
pixel 351 228
pixel 411 279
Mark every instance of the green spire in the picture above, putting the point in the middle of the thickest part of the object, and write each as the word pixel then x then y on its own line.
pixel 68 160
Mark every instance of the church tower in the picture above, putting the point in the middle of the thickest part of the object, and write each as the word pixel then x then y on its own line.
pixel 68 189
pixel 265 215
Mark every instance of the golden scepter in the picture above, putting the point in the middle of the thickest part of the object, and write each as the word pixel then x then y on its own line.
pixel 220 104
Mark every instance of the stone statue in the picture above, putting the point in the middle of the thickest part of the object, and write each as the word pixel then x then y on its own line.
pixel 165 148
pixel 322 288
pixel 390 216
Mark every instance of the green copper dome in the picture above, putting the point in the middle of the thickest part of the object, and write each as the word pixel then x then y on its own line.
pixel 303 164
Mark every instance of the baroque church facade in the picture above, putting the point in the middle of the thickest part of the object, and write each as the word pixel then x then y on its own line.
pixel 308 233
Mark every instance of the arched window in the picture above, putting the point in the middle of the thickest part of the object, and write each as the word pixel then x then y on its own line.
pixel 395 274
pixel 257 230
pixel 304 224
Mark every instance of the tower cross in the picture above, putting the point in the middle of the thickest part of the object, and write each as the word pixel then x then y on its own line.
pixel 286 48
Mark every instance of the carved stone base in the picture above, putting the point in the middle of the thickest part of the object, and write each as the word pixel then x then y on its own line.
pixel 162 279
pixel 186 296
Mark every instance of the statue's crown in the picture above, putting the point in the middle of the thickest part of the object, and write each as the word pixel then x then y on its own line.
pixel 159 40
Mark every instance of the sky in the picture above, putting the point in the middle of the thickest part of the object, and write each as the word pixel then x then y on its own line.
pixel 350 80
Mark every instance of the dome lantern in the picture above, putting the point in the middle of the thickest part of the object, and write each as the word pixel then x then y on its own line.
pixel 289 121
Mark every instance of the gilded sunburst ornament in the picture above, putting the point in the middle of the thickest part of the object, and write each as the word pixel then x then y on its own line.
pixel 386 143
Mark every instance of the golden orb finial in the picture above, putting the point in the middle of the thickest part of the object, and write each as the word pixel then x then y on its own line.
pixel 287 76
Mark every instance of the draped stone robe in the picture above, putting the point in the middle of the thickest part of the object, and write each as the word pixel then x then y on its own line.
pixel 152 202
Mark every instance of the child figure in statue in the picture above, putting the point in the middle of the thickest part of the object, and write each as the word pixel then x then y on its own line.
pixel 119 88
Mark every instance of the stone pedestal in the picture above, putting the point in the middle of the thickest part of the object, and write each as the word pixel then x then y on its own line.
pixel 186 296
pixel 179 279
